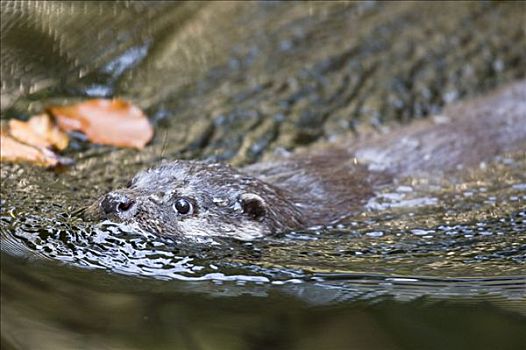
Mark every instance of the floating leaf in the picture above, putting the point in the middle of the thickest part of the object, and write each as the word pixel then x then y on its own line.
pixel 39 131
pixel 110 122
pixel 12 150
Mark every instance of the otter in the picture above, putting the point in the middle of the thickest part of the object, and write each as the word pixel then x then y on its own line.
pixel 314 187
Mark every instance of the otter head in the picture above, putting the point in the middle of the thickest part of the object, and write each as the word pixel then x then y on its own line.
pixel 191 198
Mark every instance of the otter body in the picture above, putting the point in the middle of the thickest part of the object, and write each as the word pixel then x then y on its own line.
pixel 316 187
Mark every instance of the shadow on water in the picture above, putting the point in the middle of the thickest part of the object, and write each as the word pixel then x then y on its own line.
pixel 430 263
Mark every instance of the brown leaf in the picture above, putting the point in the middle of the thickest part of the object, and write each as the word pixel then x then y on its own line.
pixel 111 122
pixel 11 150
pixel 39 131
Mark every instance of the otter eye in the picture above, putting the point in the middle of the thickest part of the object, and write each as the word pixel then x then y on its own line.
pixel 183 206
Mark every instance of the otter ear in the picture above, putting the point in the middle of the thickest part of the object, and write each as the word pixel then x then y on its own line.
pixel 253 205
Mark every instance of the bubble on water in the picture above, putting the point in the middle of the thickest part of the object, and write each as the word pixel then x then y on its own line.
pixel 375 234
pixel 521 187
pixel 404 189
pixel 420 232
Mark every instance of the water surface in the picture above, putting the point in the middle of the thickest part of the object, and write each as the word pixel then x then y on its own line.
pixel 430 263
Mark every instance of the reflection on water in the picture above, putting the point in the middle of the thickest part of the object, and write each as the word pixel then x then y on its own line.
pixel 430 263
pixel 63 308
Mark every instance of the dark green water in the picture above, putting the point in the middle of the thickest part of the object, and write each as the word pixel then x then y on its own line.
pixel 431 263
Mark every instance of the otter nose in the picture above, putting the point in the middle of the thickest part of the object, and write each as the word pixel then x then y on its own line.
pixel 116 203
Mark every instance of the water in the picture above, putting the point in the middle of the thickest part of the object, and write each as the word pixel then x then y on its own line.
pixel 430 262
